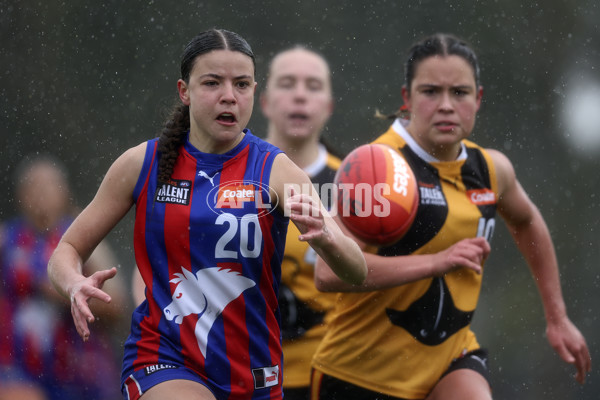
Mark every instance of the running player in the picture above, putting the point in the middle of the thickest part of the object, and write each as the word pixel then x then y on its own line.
pixel 209 233
pixel 405 333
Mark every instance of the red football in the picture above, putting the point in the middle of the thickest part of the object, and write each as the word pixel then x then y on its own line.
pixel 377 194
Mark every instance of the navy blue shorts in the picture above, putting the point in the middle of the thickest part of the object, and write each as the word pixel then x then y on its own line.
pixel 140 381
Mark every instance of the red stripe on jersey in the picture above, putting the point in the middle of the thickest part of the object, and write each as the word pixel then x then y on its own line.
pixel 266 286
pixel 234 169
pixel 149 342
pixel 177 247
pixel 234 326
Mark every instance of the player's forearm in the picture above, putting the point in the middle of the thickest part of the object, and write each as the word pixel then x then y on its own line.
pixel 344 257
pixel 64 268
pixel 383 273
pixel 535 243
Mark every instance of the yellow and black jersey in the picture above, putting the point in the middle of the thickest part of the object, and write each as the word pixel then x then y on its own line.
pixel 400 341
pixel 304 310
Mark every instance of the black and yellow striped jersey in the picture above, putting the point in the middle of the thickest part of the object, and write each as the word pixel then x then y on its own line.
pixel 399 341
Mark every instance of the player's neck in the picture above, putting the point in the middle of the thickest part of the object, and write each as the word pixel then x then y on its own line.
pixel 302 152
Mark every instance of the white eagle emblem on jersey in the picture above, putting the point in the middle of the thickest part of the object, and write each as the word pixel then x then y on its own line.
pixel 206 294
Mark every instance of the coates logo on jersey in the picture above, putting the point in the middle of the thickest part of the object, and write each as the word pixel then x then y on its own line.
pixel 481 197
pixel 175 192
pixel 242 195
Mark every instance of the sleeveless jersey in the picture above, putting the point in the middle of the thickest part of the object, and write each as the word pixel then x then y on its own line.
pixel 304 309
pixel 209 246
pixel 400 341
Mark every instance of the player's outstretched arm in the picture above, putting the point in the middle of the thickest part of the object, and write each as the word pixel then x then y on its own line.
pixel 531 234
pixel 316 226
pixel 112 201
pixel 387 272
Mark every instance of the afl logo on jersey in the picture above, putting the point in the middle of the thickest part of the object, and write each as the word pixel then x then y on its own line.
pixel 174 192
pixel 242 195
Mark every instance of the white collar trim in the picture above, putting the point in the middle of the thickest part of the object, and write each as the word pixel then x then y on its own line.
pixel 317 166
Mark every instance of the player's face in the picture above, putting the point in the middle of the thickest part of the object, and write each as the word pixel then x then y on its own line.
pixel 220 94
pixel 44 194
pixel 443 101
pixel 298 100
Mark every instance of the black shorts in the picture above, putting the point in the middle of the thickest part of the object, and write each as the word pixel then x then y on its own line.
pixel 326 387
pixel 302 393
pixel 476 360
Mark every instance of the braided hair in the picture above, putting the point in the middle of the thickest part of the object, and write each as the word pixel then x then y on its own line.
pixel 177 125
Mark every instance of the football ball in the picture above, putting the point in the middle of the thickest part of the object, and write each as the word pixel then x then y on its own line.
pixel 377 194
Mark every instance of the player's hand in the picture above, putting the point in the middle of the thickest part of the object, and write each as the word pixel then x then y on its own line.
pixel 307 216
pixel 570 345
pixel 84 290
pixel 468 253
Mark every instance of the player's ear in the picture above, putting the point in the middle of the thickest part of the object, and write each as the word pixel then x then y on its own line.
pixel 406 97
pixel 479 96
pixel 331 106
pixel 182 89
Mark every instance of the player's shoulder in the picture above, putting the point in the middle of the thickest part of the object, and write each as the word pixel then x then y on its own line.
pixel 501 161
pixel 261 144
pixel 135 155
pixel 128 165
pixel 505 171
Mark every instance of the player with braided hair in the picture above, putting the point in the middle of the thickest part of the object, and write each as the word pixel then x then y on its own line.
pixel 212 207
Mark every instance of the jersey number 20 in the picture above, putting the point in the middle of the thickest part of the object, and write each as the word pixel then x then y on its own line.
pixel 245 226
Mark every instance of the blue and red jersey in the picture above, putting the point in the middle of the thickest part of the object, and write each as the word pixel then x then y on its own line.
pixel 39 342
pixel 209 245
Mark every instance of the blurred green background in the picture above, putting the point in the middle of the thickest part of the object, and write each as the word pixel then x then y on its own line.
pixel 86 80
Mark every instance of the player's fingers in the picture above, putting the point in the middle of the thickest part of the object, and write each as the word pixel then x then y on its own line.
pixel 80 322
pixel 305 209
pixel 300 198
pixel 96 293
pixel 583 363
pixel 79 301
pixel 564 353
pixel 474 266
pixel 478 245
pixel 581 369
pixel 307 219
pixel 305 237
pixel 101 276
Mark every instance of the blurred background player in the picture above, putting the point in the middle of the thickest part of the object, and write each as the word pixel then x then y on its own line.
pixel 41 355
pixel 405 332
pixel 297 102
